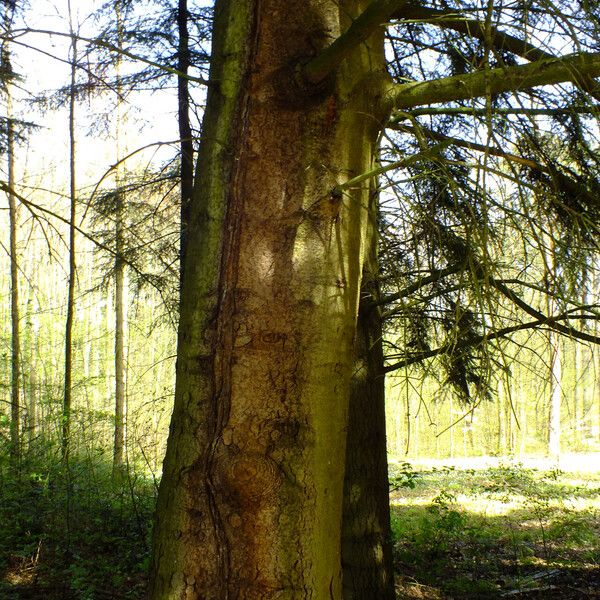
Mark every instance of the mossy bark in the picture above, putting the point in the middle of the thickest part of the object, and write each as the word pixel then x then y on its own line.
pixel 251 496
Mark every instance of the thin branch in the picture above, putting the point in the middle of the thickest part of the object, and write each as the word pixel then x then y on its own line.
pixel 428 154
pixel 31 206
pixel 433 277
pixel 549 321
pixel 447 19
pixel 112 48
pixel 498 39
pixel 440 137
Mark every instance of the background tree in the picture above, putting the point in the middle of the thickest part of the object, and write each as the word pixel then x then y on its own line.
pixel 8 75
pixel 72 273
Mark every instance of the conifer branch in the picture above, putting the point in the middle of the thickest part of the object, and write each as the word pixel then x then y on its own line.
pixel 446 19
pixel 378 13
pixel 100 43
pixel 502 111
pixel 551 322
pixel 495 81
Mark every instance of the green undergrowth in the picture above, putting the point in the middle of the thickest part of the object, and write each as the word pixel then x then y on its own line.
pixel 78 533
pixel 508 531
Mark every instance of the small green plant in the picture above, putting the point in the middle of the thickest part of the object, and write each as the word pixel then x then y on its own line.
pixel 403 476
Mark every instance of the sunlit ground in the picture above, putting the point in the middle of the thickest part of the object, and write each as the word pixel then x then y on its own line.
pixel 505 530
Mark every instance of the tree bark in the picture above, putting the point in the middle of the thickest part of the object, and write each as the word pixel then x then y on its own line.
pixel 251 495
pixel 366 532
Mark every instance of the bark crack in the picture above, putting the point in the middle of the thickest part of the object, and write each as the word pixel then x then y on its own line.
pixel 224 344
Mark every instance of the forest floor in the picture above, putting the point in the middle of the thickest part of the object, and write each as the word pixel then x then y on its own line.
pixel 497 529
pixel 488 530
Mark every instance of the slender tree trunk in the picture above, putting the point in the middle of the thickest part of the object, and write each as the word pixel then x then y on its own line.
pixel 31 370
pixel 120 292
pixel 15 384
pixel 501 445
pixel 251 495
pixel 555 370
pixel 68 383
pixel 366 533
pixel 576 414
pixel 185 128
pixel 555 378
pixel 120 318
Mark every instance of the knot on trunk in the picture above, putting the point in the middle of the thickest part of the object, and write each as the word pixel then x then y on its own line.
pixel 296 91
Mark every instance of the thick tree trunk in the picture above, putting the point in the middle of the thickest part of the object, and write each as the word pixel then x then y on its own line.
pixel 366 533
pixel 251 496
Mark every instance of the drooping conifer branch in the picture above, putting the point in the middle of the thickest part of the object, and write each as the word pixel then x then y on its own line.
pixel 549 321
pixel 495 81
pixel 553 322
pixel 494 151
pixel 100 43
pixel 429 154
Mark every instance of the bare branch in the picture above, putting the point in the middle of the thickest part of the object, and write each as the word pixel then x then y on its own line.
pixel 503 79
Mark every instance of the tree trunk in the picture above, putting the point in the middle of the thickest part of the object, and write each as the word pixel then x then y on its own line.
pixel 31 369
pixel 120 401
pixel 251 496
pixel 15 384
pixel 555 359
pixel 68 384
pixel 185 128
pixel 555 378
pixel 120 303
pixel 366 533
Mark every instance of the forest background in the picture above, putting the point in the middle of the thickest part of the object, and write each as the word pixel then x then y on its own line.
pixel 138 150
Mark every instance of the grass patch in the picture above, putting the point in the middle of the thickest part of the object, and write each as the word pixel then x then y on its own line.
pixel 507 531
